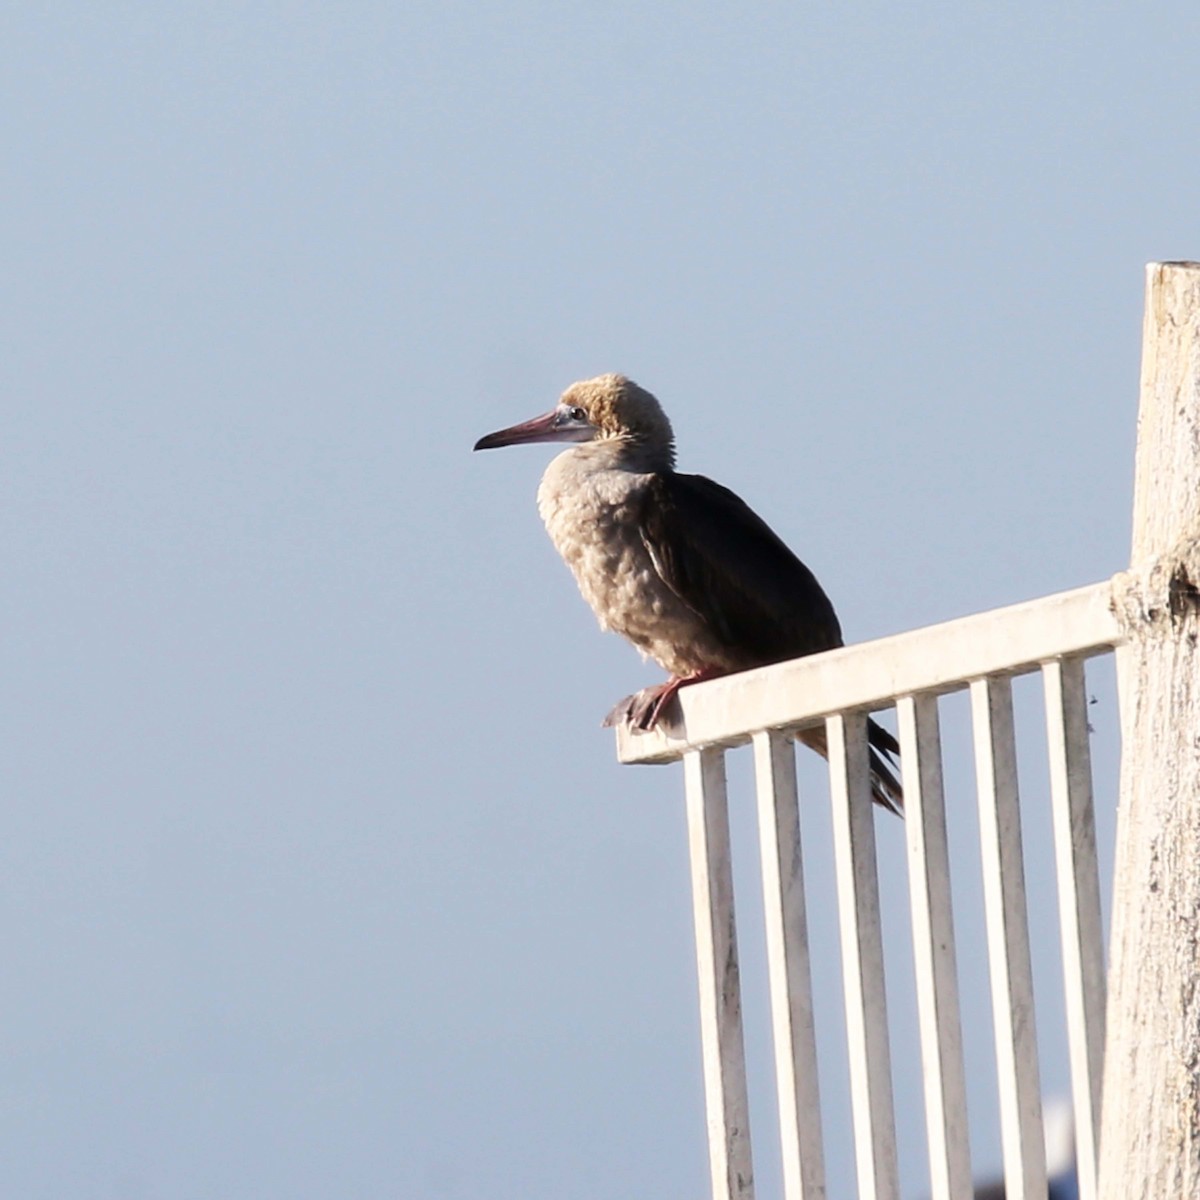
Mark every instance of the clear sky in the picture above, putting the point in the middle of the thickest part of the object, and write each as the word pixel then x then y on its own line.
pixel 318 877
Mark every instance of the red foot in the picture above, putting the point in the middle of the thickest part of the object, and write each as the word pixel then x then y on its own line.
pixel 643 709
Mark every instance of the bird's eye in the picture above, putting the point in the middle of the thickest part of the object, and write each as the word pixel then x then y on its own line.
pixel 577 414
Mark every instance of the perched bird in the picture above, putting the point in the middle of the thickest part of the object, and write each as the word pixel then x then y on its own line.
pixel 676 563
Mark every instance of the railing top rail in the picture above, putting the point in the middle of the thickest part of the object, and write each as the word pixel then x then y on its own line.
pixel 938 658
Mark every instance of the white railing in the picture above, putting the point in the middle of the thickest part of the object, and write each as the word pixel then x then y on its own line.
pixel 1054 635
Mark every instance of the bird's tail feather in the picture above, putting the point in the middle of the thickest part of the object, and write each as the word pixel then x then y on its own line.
pixel 884 753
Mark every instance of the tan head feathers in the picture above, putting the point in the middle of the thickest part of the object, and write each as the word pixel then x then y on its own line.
pixel 618 408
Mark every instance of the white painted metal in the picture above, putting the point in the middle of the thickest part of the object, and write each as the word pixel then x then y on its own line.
pixel 940 658
pixel 858 904
pixel 726 1101
pixel 1008 939
pixel 1079 902
pixel 933 949
pixel 862 958
pixel 767 706
pixel 788 967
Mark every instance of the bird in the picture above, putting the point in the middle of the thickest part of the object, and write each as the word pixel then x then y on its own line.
pixel 679 565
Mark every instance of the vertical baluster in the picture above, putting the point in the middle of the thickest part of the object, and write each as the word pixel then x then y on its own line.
pixel 933 948
pixel 862 957
pixel 1078 900
pixel 788 967
pixel 1008 938
pixel 720 986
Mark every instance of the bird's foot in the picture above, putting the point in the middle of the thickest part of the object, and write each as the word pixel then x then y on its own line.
pixel 643 709
pixel 619 713
pixel 646 710
pixel 634 710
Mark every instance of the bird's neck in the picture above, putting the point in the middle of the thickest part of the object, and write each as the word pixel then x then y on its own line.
pixel 641 456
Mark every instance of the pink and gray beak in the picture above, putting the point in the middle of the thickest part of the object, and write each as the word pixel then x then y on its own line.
pixel 546 428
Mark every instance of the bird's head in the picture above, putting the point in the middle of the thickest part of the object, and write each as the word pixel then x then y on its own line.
pixel 608 409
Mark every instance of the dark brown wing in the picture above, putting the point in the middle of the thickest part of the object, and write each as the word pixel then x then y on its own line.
pixel 727 565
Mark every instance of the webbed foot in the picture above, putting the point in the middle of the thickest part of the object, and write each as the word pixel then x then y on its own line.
pixel 648 709
pixel 643 710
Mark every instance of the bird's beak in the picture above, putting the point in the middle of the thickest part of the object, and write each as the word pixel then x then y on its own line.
pixel 541 429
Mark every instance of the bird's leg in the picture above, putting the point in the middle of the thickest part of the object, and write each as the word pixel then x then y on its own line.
pixel 644 709
pixel 649 703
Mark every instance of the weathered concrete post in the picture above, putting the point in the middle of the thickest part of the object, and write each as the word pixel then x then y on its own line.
pixel 1150 1133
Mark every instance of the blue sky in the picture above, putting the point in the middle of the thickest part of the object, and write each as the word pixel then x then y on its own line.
pixel 317 876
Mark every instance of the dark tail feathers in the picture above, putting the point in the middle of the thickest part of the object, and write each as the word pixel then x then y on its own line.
pixel 885 756
pixel 885 753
